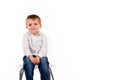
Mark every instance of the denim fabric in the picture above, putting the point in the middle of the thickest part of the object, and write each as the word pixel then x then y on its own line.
pixel 43 67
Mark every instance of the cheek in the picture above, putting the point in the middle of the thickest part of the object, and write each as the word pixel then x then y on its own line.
pixel 38 27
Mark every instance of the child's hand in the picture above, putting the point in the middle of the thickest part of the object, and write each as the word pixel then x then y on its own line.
pixel 32 59
pixel 37 59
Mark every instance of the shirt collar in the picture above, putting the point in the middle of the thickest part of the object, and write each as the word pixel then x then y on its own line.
pixel 35 35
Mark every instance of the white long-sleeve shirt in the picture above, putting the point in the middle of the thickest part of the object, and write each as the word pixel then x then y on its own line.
pixel 35 44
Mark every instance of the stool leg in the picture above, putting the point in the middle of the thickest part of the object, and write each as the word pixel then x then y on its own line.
pixel 51 73
pixel 21 73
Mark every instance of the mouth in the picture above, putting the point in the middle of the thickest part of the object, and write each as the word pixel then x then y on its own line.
pixel 32 29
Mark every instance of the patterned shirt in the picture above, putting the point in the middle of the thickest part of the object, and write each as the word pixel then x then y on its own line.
pixel 35 44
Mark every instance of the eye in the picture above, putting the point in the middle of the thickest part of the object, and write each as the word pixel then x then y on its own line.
pixel 30 25
pixel 35 23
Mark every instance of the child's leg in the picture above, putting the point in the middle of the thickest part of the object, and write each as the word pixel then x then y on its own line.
pixel 44 68
pixel 29 68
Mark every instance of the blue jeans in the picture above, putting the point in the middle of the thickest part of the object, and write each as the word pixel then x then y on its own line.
pixel 43 67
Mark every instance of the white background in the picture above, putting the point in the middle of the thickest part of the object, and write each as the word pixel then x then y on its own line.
pixel 84 37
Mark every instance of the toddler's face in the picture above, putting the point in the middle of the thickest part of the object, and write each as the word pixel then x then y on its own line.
pixel 33 26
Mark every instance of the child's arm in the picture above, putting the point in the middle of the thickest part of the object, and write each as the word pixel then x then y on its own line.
pixel 26 49
pixel 43 50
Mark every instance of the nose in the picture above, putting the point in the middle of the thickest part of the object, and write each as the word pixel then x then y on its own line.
pixel 33 26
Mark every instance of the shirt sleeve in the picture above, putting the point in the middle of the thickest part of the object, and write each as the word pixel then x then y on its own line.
pixel 26 48
pixel 44 47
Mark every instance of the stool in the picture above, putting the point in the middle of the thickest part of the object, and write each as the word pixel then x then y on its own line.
pixel 22 71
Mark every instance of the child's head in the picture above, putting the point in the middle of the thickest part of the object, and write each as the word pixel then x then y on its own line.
pixel 33 23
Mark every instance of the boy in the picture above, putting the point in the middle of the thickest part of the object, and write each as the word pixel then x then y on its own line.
pixel 35 49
